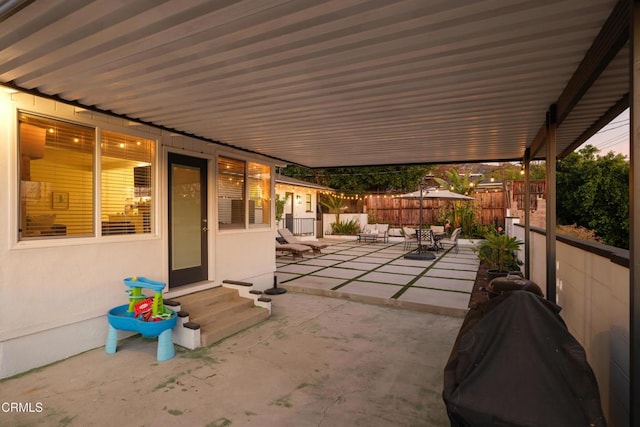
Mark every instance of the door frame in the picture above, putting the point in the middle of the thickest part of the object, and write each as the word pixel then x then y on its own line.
pixel 200 273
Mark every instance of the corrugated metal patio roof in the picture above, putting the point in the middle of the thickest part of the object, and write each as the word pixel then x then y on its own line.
pixel 331 83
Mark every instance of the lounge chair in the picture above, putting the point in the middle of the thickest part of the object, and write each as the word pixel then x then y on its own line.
pixel 290 238
pixel 452 240
pixel 410 237
pixel 292 248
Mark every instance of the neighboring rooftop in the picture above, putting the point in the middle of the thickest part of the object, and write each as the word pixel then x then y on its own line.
pixel 287 180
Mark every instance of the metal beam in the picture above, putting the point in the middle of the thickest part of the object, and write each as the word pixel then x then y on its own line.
pixel 527 214
pixel 538 141
pixel 634 217
pixel 604 120
pixel 551 203
pixel 612 37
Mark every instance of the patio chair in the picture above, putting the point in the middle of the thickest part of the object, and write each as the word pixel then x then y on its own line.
pixel 428 241
pixel 383 231
pixel 290 238
pixel 438 234
pixel 452 240
pixel 292 248
pixel 437 228
pixel 410 237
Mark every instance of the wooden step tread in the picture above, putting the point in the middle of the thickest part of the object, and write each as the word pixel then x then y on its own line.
pixel 220 310
pixel 215 331
pixel 195 301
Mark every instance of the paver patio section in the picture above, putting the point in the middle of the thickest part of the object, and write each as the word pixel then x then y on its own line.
pixel 450 273
pixel 370 289
pixel 445 282
pixel 341 273
pixel 299 268
pixel 321 262
pixel 447 299
pixel 389 278
pixel 401 269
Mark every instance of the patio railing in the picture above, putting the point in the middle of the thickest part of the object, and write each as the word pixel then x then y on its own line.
pixel 299 226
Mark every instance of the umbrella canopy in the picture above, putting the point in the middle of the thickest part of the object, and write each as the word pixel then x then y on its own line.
pixel 435 194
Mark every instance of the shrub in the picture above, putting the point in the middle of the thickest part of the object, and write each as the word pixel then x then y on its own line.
pixel 350 227
pixel 498 251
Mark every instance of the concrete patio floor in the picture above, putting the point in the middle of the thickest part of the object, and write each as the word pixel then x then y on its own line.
pixel 378 273
pixel 316 362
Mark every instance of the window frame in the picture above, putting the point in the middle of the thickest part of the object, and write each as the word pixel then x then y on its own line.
pixel 308 202
pixel 246 224
pixel 248 180
pixel 64 203
pixel 150 208
pixel 21 241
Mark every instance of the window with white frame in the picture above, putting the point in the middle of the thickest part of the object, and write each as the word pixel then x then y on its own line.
pixel 57 174
pixel 56 164
pixel 240 204
pixel 231 200
pixel 259 183
pixel 126 183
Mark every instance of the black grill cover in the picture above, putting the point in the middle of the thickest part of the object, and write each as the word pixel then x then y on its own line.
pixel 514 363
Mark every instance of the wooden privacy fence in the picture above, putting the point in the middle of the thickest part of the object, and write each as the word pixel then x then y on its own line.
pixel 490 208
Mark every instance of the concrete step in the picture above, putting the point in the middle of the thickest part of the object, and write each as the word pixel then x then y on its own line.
pixel 221 312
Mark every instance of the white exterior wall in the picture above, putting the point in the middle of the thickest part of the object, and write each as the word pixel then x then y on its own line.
pixel 328 219
pixel 56 293
pixel 300 209
pixel 593 292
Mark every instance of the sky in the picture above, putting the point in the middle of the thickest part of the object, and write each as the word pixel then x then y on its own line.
pixel 613 137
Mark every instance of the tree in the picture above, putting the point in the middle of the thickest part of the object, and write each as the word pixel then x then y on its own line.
pixel 334 204
pixel 455 182
pixel 463 214
pixel 595 194
pixel 280 204
pixel 372 179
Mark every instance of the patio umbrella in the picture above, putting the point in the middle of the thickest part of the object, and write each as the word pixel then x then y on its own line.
pixel 435 194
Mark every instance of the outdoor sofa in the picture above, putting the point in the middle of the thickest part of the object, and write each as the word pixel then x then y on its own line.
pixel 382 230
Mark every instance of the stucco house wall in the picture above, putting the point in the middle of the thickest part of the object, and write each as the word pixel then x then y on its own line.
pixel 296 204
pixel 56 292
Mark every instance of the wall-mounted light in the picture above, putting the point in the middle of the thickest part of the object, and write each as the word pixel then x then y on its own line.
pixel 298 200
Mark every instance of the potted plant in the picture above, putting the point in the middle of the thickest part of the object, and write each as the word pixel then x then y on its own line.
pixel 498 252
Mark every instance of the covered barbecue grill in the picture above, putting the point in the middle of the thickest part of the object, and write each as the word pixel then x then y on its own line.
pixel 514 363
